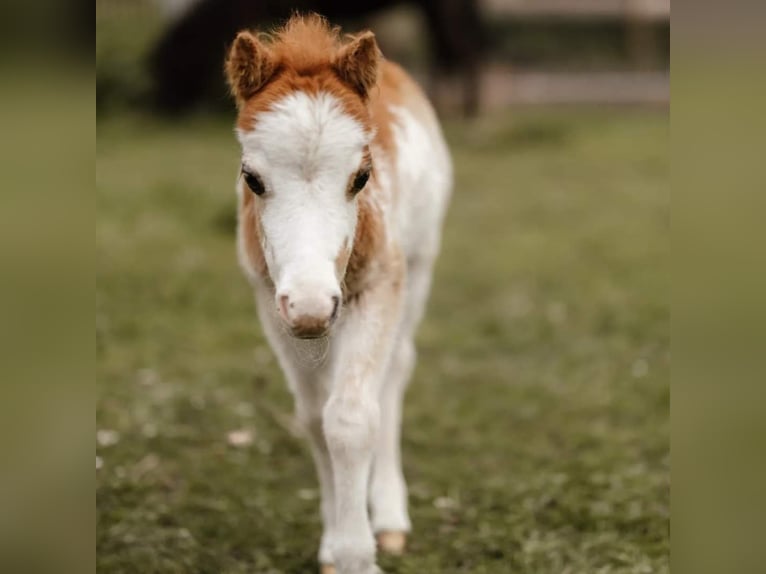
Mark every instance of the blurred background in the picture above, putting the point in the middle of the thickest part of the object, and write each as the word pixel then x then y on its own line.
pixel 472 54
pixel 536 427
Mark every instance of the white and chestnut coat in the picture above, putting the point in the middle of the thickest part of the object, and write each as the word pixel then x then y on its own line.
pixel 344 185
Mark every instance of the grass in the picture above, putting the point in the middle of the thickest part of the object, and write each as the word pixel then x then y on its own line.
pixel 536 428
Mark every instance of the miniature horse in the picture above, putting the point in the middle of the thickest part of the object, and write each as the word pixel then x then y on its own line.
pixel 344 184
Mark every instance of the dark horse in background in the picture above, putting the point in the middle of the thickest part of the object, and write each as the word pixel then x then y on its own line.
pixel 185 64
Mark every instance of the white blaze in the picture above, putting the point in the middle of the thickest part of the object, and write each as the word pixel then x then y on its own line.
pixel 305 149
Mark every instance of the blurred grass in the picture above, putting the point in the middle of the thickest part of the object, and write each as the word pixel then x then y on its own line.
pixel 536 427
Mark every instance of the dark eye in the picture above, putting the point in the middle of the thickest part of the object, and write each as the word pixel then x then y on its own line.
pixel 254 183
pixel 360 180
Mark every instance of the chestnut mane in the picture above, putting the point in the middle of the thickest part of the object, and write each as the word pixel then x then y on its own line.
pixel 305 44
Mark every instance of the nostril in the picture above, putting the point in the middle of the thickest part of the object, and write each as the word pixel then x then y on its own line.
pixel 335 307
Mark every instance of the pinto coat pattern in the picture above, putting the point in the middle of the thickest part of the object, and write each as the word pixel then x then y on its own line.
pixel 344 184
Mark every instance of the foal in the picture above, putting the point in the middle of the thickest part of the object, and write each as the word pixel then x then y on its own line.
pixel 344 183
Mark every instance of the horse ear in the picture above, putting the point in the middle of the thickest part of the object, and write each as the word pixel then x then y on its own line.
pixel 358 61
pixel 249 66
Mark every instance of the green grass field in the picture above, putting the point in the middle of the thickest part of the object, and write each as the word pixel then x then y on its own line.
pixel 536 427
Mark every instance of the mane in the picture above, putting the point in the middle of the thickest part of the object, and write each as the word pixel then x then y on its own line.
pixel 306 43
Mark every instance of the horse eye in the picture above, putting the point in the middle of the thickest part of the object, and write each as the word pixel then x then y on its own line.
pixel 360 180
pixel 254 183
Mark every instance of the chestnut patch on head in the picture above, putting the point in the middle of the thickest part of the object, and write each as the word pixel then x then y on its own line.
pixel 251 233
pixel 306 54
pixel 368 241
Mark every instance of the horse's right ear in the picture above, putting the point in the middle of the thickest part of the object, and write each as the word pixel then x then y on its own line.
pixel 249 66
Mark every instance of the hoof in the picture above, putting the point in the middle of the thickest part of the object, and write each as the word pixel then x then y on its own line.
pixel 327 569
pixel 392 542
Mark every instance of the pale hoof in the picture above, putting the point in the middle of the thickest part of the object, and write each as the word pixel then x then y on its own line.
pixel 327 569
pixel 392 542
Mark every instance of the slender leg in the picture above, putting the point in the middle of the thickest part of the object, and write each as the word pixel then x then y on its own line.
pixel 308 383
pixel 312 423
pixel 352 420
pixel 388 491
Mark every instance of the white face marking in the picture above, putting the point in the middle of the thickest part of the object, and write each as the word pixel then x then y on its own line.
pixel 305 149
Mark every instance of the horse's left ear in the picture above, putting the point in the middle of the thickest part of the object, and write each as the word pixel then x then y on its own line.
pixel 358 61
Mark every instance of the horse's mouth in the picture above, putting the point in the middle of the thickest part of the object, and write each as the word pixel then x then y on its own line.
pixel 310 332
pixel 312 337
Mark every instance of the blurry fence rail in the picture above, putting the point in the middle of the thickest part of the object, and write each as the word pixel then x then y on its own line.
pixel 642 84
pixel 569 9
pixel 636 73
pixel 588 88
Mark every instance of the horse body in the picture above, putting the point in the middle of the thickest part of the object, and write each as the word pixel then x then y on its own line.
pixel 346 179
